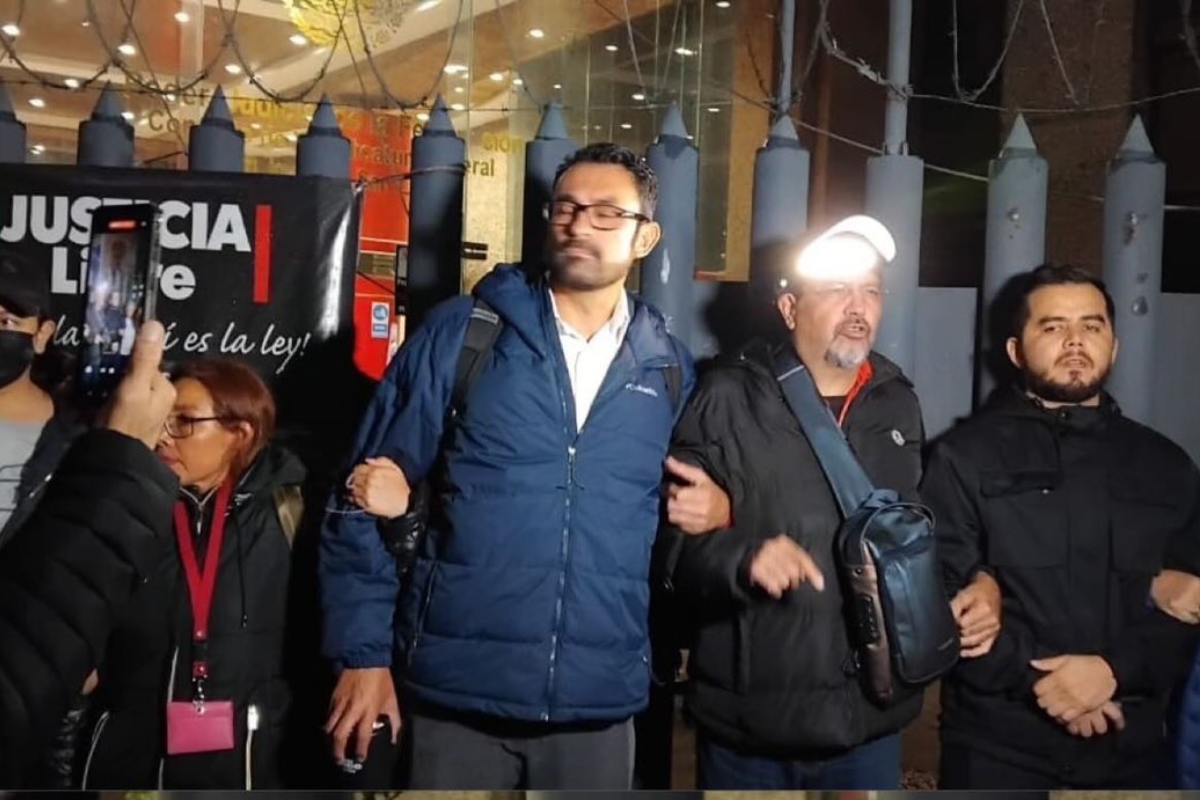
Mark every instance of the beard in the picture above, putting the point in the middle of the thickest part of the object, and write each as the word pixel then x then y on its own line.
pixel 849 353
pixel 584 270
pixel 1074 391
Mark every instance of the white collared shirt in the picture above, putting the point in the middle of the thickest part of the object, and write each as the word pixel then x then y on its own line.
pixel 588 360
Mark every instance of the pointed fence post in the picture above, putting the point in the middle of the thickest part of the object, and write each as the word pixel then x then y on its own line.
pixel 12 131
pixel 1016 242
pixel 436 216
pixel 895 187
pixel 780 214
pixel 1134 197
pixel 543 156
pixel 669 271
pixel 323 152
pixel 106 139
pixel 216 145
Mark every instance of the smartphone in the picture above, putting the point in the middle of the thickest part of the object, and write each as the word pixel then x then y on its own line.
pixel 122 277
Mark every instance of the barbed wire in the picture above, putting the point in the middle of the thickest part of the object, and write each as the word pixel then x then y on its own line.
pixel 424 100
pixel 955 75
pixel 514 62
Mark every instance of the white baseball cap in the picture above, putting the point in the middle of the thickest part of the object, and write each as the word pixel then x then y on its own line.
pixel 850 247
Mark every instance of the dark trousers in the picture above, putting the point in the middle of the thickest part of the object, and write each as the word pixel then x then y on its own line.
pixel 448 751
pixel 871 766
pixel 963 767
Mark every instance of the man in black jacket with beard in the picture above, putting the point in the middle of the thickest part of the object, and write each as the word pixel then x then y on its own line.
pixel 70 571
pixel 1074 509
pixel 774 689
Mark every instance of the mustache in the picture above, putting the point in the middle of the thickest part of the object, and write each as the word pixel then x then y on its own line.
pixel 855 321
pixel 1082 356
pixel 580 244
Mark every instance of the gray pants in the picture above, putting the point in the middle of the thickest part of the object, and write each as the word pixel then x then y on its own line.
pixel 446 753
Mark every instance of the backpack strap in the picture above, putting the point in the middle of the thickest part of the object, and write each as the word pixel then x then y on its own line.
pixel 483 329
pixel 289 507
pixel 674 378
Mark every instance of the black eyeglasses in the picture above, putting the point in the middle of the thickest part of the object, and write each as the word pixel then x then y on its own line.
pixel 181 426
pixel 601 216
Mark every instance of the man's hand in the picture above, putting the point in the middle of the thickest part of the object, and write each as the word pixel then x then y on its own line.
pixel 360 697
pixel 1095 723
pixel 696 506
pixel 144 397
pixel 977 610
pixel 1074 686
pixel 781 565
pixel 379 487
pixel 1178 594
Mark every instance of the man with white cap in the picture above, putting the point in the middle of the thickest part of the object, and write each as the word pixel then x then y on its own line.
pixel 773 683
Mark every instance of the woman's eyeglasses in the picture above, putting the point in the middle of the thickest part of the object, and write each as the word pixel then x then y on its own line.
pixel 181 426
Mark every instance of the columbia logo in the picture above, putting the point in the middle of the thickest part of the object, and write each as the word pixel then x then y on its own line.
pixel 637 387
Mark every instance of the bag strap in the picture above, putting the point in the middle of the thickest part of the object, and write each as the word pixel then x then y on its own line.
pixel 483 329
pixel 673 375
pixel 846 477
pixel 289 507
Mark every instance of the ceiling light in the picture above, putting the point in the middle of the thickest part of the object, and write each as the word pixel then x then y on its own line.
pixel 683 51
pixel 638 96
pixel 233 69
pixel 625 126
pixel 713 110
pixel 428 4
pixel 612 48
pixel 459 107
pixel 37 102
pixel 182 16
pixel 11 29
pixel 127 49
pixel 459 90
pixel 558 86
pixel 423 117
pixel 518 82
pixel 128 115
pixel 72 83
pixel 298 39
pixel 497 76
pixel 537 33
pixel 455 69
pixel 723 3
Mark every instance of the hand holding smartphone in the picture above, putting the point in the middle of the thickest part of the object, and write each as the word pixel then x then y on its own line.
pixel 122 289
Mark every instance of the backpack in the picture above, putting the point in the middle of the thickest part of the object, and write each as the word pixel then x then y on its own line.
pixel 900 621
pixel 404 535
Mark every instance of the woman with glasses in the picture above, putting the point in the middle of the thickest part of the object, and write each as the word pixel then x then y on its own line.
pixel 192 691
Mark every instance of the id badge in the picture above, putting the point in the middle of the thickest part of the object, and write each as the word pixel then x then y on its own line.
pixel 203 727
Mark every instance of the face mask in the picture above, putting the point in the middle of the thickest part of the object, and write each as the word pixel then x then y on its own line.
pixel 16 354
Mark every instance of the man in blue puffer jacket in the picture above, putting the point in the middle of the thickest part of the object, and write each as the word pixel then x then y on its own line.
pixel 523 632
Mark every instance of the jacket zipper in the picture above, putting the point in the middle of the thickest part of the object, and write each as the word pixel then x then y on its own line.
pixel 96 734
pixel 251 727
pixel 562 583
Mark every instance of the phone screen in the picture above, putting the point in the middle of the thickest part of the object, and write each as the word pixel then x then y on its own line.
pixel 120 293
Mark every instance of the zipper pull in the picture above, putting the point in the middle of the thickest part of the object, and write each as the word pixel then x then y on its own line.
pixel 571 464
pixel 252 718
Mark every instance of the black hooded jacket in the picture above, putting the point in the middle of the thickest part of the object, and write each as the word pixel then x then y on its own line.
pixel 777 677
pixel 245 652
pixel 1074 511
